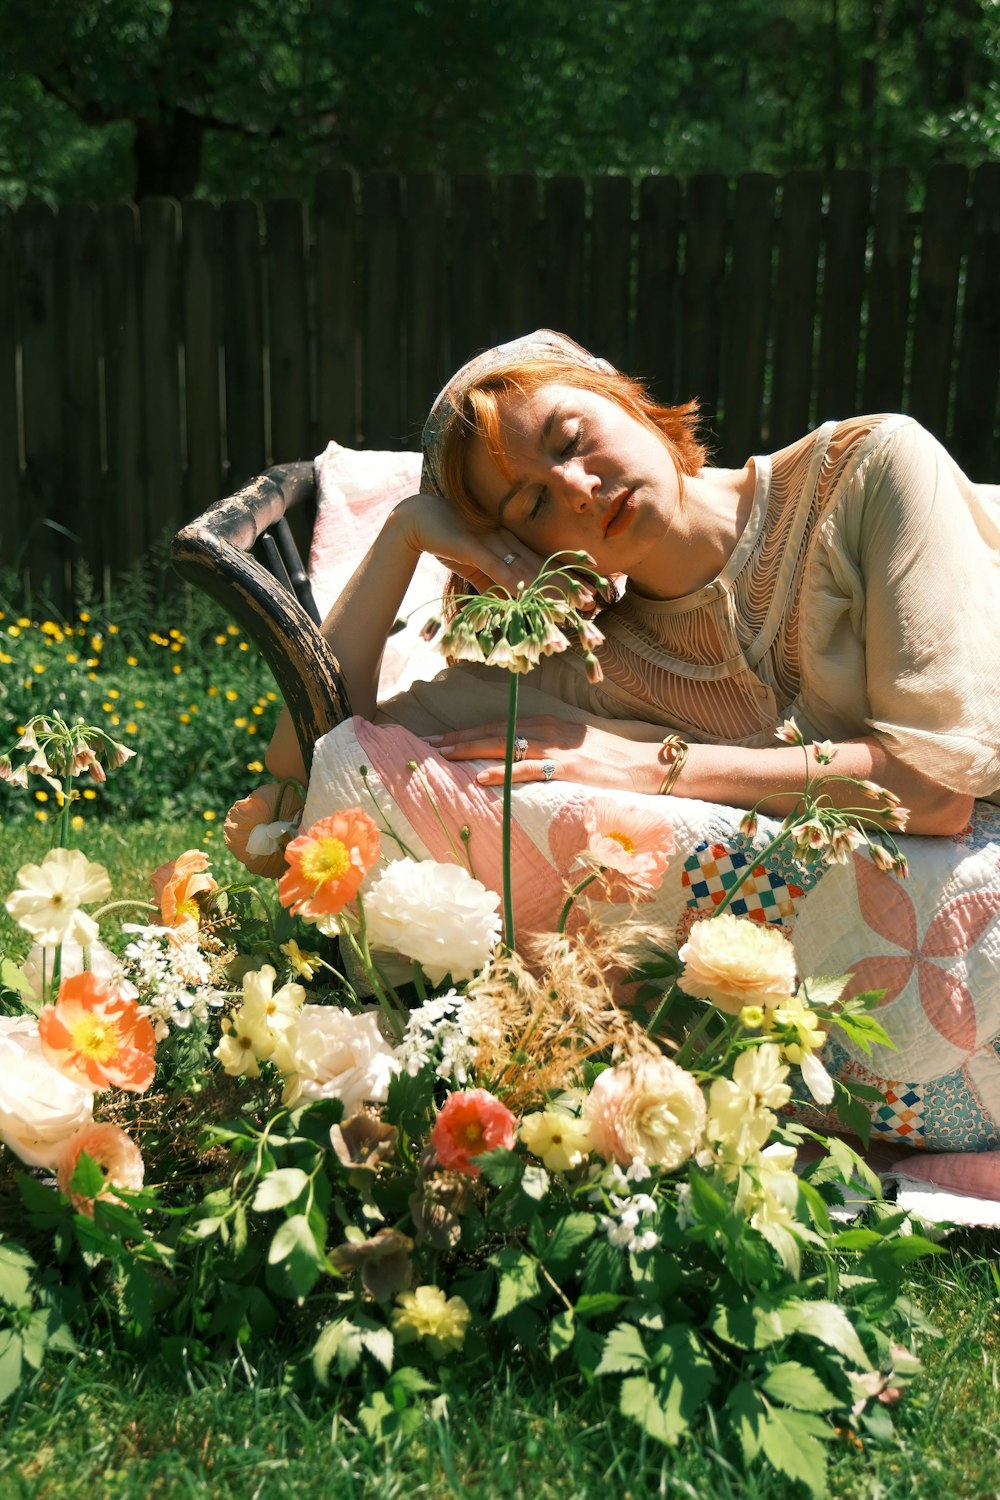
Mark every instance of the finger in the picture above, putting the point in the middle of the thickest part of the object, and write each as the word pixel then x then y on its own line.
pixel 525 770
pixel 451 737
pixel 485 749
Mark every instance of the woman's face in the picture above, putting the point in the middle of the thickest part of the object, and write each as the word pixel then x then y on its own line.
pixel 583 474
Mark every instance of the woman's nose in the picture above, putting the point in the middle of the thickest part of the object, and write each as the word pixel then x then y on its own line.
pixel 578 484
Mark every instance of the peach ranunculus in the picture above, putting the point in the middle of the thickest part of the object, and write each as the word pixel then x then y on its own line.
pixel 646 1108
pixel 327 863
pixel 115 1153
pixel 470 1122
pixel 732 962
pixel 631 844
pixel 177 885
pixel 98 1038
pixel 258 828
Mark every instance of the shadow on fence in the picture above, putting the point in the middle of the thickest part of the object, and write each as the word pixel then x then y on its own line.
pixel 154 357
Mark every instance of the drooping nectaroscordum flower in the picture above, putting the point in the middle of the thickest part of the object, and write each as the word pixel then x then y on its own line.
pixel 470 1122
pixel 51 894
pixel 115 1153
pixel 327 863
pixel 98 1038
pixel 179 883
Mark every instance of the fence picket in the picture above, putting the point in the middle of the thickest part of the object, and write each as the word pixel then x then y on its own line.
pixel 843 290
pixel 41 361
pixel 337 340
pixel 564 227
pixel 243 339
pixel 747 317
pixel 518 241
pixel 159 376
pixel 973 438
pixel 423 298
pixel 125 488
pixel 287 329
pixel 610 269
pixel 656 314
pixel 706 205
pixel 795 298
pixel 382 366
pixel 201 272
pixel 11 520
pixel 942 241
pixel 472 294
pixel 79 505
pixel 888 294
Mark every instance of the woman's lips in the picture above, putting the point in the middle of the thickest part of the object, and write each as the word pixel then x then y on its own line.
pixel 620 513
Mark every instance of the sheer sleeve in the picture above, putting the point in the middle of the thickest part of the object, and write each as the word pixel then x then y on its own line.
pixel 901 604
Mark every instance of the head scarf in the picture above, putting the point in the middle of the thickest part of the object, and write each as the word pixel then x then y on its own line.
pixel 542 344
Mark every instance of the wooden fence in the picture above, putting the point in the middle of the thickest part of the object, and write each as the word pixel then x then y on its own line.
pixel 154 357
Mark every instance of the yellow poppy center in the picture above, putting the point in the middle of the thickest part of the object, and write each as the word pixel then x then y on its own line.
pixel 95 1039
pixel 326 859
pixel 472 1134
pixel 621 838
pixel 187 911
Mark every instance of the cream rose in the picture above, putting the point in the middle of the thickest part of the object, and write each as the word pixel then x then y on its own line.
pixel 733 962
pixel 646 1108
pixel 434 913
pixel 334 1054
pixel 40 1108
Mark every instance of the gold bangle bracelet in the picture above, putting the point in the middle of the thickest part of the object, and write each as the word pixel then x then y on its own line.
pixel 676 751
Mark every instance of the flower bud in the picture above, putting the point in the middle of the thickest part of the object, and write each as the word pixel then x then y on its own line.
pixel 595 672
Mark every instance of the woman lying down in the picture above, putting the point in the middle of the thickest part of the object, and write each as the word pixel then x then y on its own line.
pixel 849 582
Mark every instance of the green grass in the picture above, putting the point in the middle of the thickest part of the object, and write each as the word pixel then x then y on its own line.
pixel 110 1425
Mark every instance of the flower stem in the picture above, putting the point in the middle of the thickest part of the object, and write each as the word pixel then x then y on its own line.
pixel 508 773
pixel 684 1056
pixel 564 914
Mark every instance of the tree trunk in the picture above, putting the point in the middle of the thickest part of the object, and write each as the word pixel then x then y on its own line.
pixel 167 155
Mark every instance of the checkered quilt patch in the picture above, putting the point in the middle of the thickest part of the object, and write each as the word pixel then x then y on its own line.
pixel 767 894
pixel 902 1114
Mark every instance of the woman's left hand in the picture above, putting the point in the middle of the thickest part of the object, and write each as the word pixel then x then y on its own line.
pixel 554 749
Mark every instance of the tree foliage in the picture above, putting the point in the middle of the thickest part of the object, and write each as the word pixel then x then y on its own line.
pixel 106 98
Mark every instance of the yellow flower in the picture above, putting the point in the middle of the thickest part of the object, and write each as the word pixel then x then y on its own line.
pixel 89 793
pixel 231 695
pixel 38 667
pixel 24 622
pixel 41 796
pixel 241 723
pixel 13 630
pixel 732 962
pixel 106 707
pixel 213 691
pixel 41 815
pixel 209 815
pixel 5 658
pixel 752 1017
pixel 220 640
pixel 76 821
pixel 113 629
pixel 305 965
pixel 131 727
pixel 132 661
pixel 92 676
pixel 113 693
pixel 559 1140
pixel 271 697
pixel 184 718
pixel 72 658
pixel 796 1028
pixel 255 710
pixel 177 669
pixel 84 616
pixel 244 646
pixel 232 629
pixel 428 1314
pixel 139 703
pixel 741 1109
pixel 256 766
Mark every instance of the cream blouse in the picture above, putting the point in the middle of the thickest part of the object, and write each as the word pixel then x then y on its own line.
pixel 863 597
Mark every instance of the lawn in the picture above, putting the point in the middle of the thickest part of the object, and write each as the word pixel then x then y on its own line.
pixel 111 1424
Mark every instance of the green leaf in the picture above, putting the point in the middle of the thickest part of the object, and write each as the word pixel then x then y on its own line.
pixel 863 1029
pixel 797 1385
pixel 87 1179
pixel 826 990
pixel 560 1250
pixel 666 1406
pixel 518 1280
pixel 596 1304
pixel 16 1267
pixel 604 1267
pixel 280 1188
pixel 707 1203
pixel 346 1340
pixel 562 1331
pixel 827 1324
pixel 746 1412
pixel 14 978
pixel 624 1351
pixel 640 1401
pixel 792 1441
pixel 501 1168
pixel 295 1252
pixel 10 1363
pixel 137 1297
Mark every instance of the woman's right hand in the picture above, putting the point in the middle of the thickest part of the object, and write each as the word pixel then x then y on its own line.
pixel 485 557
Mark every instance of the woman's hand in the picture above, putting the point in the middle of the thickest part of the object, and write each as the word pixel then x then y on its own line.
pixel 487 557
pixel 577 752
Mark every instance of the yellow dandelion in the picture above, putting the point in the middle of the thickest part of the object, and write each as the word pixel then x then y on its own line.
pixel 113 693
pixel 175 646
pixel 92 662
pixel 13 630
pixel 177 669
pixel 241 723
pixel 114 719
pixel 84 616
pixel 38 668
pixel 41 796
pixel 244 646
pixel 232 629
pixel 41 815
pixel 184 718
pixel 138 703
pixel 5 658
pixel 251 729
pixel 72 658
pixel 24 622
pixel 76 821
pixel 131 727
pixel 89 794
pixel 209 815
pixel 231 695
pixel 256 766
pixel 213 692
pixel 132 661
pixel 220 640
pixel 107 707
pixel 96 643
pixel 257 709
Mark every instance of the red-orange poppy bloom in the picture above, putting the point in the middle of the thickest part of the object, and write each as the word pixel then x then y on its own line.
pixel 327 864
pixel 470 1122
pixel 178 883
pixel 97 1038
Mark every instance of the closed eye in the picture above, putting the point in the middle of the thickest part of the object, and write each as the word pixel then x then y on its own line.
pixel 566 451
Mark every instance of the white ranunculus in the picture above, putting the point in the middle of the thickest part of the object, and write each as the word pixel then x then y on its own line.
pixel 51 894
pixel 40 1108
pixel 434 913
pixel 337 1054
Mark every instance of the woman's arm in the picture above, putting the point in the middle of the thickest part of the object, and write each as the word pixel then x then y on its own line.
pixel 359 623
pixel 626 756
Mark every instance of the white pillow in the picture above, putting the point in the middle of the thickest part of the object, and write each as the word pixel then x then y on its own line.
pixel 356 490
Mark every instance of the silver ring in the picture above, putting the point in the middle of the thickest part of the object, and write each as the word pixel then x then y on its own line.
pixel 510 559
pixel 548 769
pixel 520 747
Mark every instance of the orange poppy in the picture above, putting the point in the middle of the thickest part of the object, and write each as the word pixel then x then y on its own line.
pixel 178 884
pixel 97 1038
pixel 327 864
